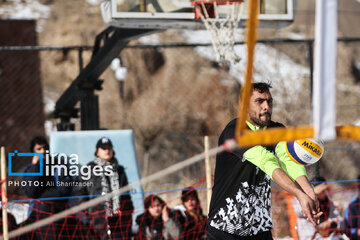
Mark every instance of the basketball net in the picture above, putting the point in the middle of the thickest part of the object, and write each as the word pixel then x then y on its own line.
pixel 222 30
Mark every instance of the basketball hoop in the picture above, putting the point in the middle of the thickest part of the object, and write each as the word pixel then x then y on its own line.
pixel 221 26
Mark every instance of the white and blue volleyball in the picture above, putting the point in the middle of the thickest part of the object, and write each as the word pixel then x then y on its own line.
pixel 305 151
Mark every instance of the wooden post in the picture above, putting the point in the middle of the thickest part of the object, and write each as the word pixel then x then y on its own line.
pixel 208 170
pixel 3 195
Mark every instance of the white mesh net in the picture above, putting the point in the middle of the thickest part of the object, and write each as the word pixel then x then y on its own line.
pixel 222 26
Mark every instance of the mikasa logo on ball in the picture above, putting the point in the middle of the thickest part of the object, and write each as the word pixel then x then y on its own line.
pixel 305 151
pixel 314 148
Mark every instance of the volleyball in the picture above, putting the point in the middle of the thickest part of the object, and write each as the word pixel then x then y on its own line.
pixel 305 151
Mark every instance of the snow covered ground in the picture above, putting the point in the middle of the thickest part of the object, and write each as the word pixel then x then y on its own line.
pixel 26 9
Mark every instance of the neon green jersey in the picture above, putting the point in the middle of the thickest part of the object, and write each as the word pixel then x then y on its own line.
pixel 267 161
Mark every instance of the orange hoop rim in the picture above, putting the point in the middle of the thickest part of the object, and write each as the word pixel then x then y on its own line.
pixel 218 2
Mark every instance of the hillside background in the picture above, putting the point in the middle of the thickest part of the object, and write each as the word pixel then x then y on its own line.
pixel 173 97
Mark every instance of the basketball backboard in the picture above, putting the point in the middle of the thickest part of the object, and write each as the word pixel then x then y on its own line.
pixel 180 14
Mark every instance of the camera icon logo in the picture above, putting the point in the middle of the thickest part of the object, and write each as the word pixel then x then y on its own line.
pixel 17 154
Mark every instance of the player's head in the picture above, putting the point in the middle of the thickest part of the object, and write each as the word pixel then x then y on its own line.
pixel 39 144
pixel 190 199
pixel 104 149
pixel 261 104
pixel 154 205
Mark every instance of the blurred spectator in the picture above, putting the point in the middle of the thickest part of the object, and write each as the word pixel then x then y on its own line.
pixel 352 216
pixel 157 221
pixel 330 222
pixel 47 188
pixel 113 218
pixel 190 216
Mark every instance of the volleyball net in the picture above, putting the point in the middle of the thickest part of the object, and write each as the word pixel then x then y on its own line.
pixel 94 223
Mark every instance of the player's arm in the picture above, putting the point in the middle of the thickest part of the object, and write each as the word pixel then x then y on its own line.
pixel 294 170
pixel 310 207
pixel 268 163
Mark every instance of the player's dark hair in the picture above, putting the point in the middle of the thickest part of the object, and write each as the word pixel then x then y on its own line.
pixel 262 87
pixel 150 199
pixel 38 140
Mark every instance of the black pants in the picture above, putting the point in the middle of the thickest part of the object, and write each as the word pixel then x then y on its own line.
pixel 214 234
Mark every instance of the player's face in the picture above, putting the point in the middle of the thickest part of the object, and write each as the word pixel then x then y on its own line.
pixel 260 108
pixel 155 209
pixel 105 154
pixel 190 203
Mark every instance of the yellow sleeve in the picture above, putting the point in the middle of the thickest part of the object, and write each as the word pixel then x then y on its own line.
pixel 292 169
pixel 262 158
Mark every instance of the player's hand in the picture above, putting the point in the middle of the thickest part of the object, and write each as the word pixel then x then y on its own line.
pixel 310 208
pixel 35 160
pixel 165 214
pixel 305 185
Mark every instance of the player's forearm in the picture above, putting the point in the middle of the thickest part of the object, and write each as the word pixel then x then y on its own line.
pixel 306 186
pixel 309 206
pixel 284 181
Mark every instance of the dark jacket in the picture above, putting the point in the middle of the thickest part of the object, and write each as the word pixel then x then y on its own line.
pixel 47 188
pixel 193 227
pixel 155 229
pixel 94 189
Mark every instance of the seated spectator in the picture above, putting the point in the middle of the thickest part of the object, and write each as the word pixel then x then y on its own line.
pixel 111 219
pixel 48 188
pixel 156 222
pixel 352 216
pixel 330 222
pixel 190 216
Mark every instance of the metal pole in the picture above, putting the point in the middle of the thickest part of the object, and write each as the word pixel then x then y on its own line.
pixel 80 59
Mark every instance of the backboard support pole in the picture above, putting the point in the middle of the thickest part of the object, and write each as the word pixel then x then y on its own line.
pixel 108 45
